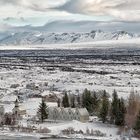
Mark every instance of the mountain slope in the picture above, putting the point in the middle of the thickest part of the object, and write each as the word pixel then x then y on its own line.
pixel 36 37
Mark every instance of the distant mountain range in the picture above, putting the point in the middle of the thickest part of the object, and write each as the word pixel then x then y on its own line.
pixel 44 37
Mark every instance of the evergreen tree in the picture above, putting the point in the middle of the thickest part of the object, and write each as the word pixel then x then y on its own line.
pixel 42 111
pixel 121 110
pixel 79 101
pixel 59 103
pixel 73 101
pixel 118 110
pixel 87 100
pixel 104 107
pixel 65 101
pixel 114 107
pixel 137 124
pixel 95 103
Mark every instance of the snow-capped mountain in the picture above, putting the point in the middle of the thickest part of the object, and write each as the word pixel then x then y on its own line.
pixel 38 37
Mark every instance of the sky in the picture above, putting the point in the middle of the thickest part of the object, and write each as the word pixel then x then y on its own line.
pixel 41 12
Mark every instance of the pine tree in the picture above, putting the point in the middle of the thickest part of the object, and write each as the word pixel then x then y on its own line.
pixel 65 101
pixel 73 101
pixel 137 124
pixel 59 103
pixel 42 111
pixel 104 107
pixel 87 100
pixel 114 107
pixel 121 110
pixel 79 101
pixel 95 103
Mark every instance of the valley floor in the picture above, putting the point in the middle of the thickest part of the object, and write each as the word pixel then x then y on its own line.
pixel 50 72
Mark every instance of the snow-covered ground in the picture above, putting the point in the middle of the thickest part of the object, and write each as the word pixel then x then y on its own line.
pixel 110 131
pixel 123 78
pixel 83 45
pixel 37 38
pixel 51 72
pixel 105 131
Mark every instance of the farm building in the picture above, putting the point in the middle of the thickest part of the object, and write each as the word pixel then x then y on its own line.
pixel 68 114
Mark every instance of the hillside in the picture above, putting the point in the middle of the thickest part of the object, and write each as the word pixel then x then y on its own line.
pixel 41 38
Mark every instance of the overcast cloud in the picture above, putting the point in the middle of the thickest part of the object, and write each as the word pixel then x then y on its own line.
pixel 127 10
pixel 37 12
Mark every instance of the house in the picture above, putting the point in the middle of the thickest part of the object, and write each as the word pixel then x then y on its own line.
pixel 81 114
pixel 63 114
pixel 71 113
pixel 50 112
pixel 68 114
pixel 18 110
pixel 56 114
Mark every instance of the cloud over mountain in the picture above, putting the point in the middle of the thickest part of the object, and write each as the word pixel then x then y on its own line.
pixel 39 12
pixel 119 9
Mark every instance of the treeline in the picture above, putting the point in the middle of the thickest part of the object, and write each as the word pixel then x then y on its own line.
pixel 111 109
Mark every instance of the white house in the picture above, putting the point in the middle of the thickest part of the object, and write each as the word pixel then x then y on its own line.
pixel 81 114
pixel 68 114
pixel 56 114
pixel 18 110
pixel 50 112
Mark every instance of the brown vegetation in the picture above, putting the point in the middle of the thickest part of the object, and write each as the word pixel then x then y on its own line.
pixel 133 108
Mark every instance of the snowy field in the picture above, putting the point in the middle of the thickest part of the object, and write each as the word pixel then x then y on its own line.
pixel 94 44
pixel 31 73
pixel 95 68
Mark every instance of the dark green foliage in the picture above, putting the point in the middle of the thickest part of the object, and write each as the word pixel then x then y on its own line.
pixel 79 101
pixel 104 107
pixel 42 111
pixel 95 103
pixel 120 111
pixel 87 100
pixel 98 105
pixel 65 101
pixel 114 107
pixel 137 124
pixel 58 103
pixel 73 101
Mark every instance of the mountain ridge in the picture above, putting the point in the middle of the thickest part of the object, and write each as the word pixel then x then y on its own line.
pixel 40 37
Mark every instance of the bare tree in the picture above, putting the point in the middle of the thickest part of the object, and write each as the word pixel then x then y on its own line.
pixel 132 109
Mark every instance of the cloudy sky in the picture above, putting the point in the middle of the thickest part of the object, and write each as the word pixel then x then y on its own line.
pixel 40 12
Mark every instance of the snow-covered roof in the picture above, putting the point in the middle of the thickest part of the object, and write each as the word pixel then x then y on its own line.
pixel 66 109
pixel 57 109
pixel 21 107
pixel 83 111
pixel 73 110
pixel 51 104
